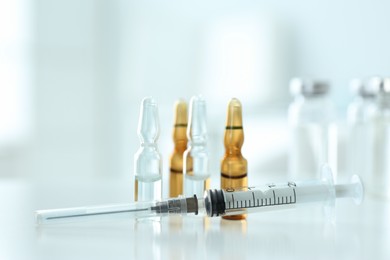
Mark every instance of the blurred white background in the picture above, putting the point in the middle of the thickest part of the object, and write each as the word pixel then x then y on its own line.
pixel 73 73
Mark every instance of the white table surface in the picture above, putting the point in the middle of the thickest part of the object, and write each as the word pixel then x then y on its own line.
pixel 360 232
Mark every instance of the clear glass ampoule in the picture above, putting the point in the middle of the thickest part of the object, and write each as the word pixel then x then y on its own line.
pixel 147 160
pixel 234 167
pixel 180 141
pixel 196 157
pixel 379 150
pixel 313 132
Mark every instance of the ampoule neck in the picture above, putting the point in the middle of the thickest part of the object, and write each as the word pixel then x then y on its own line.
pixel 180 146
pixel 233 142
pixel 197 142
pixel 233 151
pixel 148 145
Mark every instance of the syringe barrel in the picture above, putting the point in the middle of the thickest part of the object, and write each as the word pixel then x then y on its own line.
pixel 312 191
pixel 236 201
pixel 268 197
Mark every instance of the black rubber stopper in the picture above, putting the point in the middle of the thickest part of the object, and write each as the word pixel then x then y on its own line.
pixel 216 203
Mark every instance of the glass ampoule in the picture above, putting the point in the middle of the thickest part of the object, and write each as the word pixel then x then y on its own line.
pixel 313 133
pixel 147 160
pixel 196 157
pixel 180 142
pixel 234 167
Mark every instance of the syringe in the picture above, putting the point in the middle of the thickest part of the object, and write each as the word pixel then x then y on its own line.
pixel 220 202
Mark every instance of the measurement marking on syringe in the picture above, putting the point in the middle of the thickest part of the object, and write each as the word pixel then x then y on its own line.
pixel 261 199
pixel 274 196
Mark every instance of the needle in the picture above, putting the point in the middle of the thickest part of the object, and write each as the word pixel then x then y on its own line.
pixel 99 213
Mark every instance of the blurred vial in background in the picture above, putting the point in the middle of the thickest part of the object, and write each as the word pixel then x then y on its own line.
pixel 379 150
pixel 313 133
pixel 147 160
pixel 358 115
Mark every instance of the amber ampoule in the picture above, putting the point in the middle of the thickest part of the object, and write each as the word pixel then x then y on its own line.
pixel 180 141
pixel 234 166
